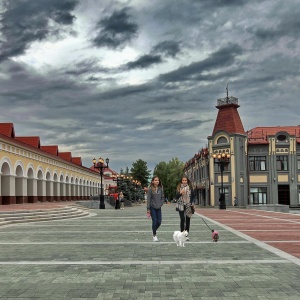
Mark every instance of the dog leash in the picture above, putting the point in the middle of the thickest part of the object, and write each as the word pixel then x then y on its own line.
pixel 207 224
pixel 215 234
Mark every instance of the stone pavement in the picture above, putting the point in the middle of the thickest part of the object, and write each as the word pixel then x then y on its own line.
pixel 110 255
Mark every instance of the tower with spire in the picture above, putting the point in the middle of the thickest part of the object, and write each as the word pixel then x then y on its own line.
pixel 228 138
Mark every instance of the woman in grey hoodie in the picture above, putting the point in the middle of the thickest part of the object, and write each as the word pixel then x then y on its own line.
pixel 155 200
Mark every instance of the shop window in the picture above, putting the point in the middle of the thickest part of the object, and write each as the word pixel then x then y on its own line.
pixel 258 195
pixel 257 163
pixel 281 162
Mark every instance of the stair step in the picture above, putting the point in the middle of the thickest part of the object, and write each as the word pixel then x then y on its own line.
pixel 35 216
pixel 35 213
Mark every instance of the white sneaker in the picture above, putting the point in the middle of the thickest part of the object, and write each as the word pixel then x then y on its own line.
pixel 155 239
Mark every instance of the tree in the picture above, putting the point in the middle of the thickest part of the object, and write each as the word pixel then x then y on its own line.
pixel 139 171
pixel 169 174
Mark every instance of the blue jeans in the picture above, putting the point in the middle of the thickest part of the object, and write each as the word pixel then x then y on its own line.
pixel 156 218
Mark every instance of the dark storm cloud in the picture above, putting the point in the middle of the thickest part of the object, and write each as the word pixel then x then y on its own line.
pixel 25 21
pixel 167 48
pixel 168 125
pixel 217 3
pixel 221 58
pixel 156 55
pixel 87 66
pixel 288 27
pixel 144 62
pixel 126 91
pixel 91 103
pixel 115 31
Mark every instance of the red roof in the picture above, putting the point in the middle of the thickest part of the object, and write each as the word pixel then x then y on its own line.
pixel 50 149
pixel 259 135
pixel 228 119
pixel 33 141
pixel 65 155
pixel 7 129
pixel 77 161
pixel 7 133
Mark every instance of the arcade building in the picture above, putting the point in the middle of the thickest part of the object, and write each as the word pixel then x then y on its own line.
pixel 31 172
pixel 257 167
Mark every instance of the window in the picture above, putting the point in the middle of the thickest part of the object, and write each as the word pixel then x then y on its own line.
pixel 281 137
pixel 222 140
pixel 281 162
pixel 258 195
pixel 257 163
pixel 298 162
pixel 225 165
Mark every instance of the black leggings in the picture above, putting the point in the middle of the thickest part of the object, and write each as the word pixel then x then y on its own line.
pixel 184 220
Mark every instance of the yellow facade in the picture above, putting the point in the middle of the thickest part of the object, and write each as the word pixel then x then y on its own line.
pixel 31 175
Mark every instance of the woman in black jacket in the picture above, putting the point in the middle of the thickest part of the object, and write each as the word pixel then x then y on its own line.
pixel 185 203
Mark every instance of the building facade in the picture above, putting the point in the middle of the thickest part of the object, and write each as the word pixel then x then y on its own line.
pixel 262 165
pixel 30 172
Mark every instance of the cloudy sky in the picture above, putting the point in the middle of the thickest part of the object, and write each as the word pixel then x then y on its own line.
pixel 139 79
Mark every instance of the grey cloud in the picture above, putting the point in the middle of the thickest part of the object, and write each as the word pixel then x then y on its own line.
pixel 221 58
pixel 167 48
pixel 217 3
pixel 115 31
pixel 90 108
pixel 173 125
pixel 162 49
pixel 27 21
pixel 144 61
pixel 287 27
pixel 125 91
pixel 84 67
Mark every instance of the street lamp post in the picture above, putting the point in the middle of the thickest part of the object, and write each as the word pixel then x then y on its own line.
pixel 221 160
pixel 101 166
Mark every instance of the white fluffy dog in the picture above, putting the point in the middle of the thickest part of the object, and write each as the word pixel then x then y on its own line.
pixel 180 238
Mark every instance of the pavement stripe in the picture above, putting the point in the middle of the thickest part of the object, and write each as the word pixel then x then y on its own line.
pixel 290 241
pixel 139 262
pixel 117 243
pixel 89 231
pixel 269 217
pixel 276 230
pixel 164 224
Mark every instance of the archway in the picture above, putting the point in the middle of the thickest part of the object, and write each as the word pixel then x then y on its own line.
pixel 19 185
pixel 30 189
pixel 55 187
pixel 6 184
pixel 40 188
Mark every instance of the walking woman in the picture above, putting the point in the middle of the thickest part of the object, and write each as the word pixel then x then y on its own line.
pixel 185 203
pixel 121 197
pixel 155 200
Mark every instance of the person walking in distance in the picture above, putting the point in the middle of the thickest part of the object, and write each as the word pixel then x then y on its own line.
pixel 121 197
pixel 155 200
pixel 185 203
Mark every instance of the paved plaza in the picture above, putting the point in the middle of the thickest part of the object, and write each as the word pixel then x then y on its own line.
pixel 110 255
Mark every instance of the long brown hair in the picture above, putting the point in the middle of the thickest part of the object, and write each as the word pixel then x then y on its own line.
pixel 152 185
pixel 180 183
